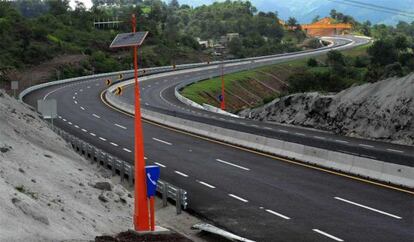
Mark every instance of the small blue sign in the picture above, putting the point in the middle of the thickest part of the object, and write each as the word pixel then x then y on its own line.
pixel 152 174
pixel 220 98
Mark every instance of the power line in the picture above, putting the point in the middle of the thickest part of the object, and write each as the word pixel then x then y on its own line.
pixel 378 6
pixel 382 9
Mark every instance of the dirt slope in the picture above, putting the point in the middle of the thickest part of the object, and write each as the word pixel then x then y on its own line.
pixel 383 110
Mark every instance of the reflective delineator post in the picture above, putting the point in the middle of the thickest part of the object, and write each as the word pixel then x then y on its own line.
pixel 141 215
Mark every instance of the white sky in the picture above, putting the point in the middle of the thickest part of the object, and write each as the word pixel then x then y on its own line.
pixel 88 3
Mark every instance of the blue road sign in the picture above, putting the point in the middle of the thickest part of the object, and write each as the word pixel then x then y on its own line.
pixel 152 174
pixel 220 98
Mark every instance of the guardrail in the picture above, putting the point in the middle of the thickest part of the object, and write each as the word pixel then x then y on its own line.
pixel 122 169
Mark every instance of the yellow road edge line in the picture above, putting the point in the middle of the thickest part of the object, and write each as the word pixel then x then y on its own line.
pixel 275 157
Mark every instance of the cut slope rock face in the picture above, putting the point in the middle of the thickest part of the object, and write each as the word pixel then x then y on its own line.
pixel 48 192
pixel 383 110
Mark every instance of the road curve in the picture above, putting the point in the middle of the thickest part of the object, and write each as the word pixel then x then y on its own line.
pixel 258 197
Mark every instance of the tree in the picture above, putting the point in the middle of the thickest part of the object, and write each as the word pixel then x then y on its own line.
pixel 315 19
pixel 383 52
pixel 312 62
pixel 174 4
pixel 333 14
pixel 292 22
pixel 236 47
pixel 58 7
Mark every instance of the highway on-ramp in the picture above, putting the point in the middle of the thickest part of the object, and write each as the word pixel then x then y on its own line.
pixel 257 196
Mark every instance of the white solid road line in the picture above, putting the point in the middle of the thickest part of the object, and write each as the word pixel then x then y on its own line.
pixel 231 164
pixel 162 141
pixel 277 214
pixel 206 184
pixel 127 150
pixel 92 134
pixel 120 126
pixel 114 144
pixel 238 198
pixel 398 151
pixel 96 116
pixel 369 208
pixel 159 164
pixel 181 174
pixel 103 139
pixel 327 235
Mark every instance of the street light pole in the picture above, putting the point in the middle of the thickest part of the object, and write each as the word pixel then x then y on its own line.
pixel 141 214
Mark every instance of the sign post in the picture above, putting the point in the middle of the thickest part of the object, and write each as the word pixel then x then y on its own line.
pixel 152 174
pixel 14 87
pixel 48 108
pixel 141 213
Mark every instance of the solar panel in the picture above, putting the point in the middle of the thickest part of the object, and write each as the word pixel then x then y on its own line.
pixel 128 39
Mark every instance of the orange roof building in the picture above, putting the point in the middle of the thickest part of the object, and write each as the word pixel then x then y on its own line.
pixel 326 27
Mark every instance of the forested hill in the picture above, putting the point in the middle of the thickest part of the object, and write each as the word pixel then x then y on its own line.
pixel 36 31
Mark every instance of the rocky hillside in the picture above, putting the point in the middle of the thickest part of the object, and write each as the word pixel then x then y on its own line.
pixel 48 192
pixel 383 110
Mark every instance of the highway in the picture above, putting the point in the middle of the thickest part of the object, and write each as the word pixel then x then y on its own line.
pixel 254 195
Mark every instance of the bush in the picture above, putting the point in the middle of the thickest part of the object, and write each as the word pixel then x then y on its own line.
pixel 312 62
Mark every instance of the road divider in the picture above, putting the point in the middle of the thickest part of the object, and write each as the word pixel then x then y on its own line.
pixel 366 168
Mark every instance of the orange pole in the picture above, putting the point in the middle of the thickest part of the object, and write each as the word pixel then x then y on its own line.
pixel 152 211
pixel 223 102
pixel 141 216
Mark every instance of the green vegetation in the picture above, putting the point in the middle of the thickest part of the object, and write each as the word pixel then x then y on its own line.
pixel 36 31
pixel 391 54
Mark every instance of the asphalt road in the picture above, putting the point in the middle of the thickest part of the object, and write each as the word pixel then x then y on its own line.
pixel 259 197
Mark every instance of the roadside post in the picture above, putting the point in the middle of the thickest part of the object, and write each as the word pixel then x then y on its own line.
pixel 141 213
pixel 14 87
pixel 48 108
pixel 152 176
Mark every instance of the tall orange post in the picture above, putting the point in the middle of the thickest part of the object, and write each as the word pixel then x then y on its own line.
pixel 223 99
pixel 141 214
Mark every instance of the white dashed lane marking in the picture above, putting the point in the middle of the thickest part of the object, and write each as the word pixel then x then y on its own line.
pixel 206 184
pixel 127 150
pixel 92 134
pixel 82 108
pixel 162 141
pixel 397 151
pixel 327 235
pixel 96 116
pixel 120 126
pixel 114 144
pixel 234 165
pixel 103 139
pixel 369 208
pixel 277 214
pixel 238 198
pixel 181 174
pixel 159 164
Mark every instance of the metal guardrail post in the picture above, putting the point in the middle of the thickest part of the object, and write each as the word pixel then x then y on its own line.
pixel 164 193
pixel 178 201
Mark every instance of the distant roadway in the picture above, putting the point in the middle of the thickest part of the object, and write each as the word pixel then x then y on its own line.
pixel 257 196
